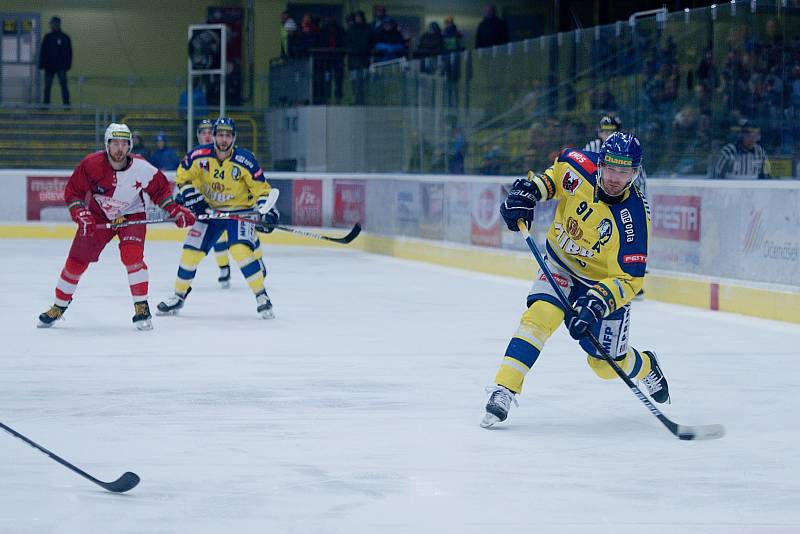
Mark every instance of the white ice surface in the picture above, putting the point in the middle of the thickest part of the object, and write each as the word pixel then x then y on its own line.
pixel 356 410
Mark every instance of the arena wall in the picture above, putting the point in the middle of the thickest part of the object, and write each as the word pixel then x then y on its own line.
pixel 728 246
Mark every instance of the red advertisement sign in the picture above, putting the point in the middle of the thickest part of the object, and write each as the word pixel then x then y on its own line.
pixel 45 195
pixel 307 202
pixel 348 202
pixel 486 215
pixel 677 217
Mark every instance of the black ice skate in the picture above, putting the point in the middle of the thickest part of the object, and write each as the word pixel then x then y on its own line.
pixel 655 381
pixel 142 317
pixel 224 277
pixel 499 404
pixel 172 304
pixel 264 305
pixel 48 318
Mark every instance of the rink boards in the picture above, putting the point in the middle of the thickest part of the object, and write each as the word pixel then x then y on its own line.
pixel 729 246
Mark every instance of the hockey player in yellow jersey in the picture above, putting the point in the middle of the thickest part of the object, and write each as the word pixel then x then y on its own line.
pixel 597 251
pixel 226 178
pixel 205 137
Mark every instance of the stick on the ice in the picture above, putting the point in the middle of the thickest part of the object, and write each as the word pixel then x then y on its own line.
pixel 126 482
pixel 681 431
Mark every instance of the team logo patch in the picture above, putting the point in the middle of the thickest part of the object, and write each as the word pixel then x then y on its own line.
pixel 204 165
pixel 235 173
pixel 605 229
pixel 574 229
pixel 570 182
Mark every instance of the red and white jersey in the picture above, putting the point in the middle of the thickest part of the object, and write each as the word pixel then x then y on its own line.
pixel 110 194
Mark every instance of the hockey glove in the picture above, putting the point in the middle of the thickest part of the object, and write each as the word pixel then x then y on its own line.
pixel 194 201
pixel 85 220
pixel 589 309
pixel 183 216
pixel 269 220
pixel 520 203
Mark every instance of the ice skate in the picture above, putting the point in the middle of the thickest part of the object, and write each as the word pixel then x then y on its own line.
pixel 48 318
pixel 142 318
pixel 499 404
pixel 224 277
pixel 655 382
pixel 174 303
pixel 264 306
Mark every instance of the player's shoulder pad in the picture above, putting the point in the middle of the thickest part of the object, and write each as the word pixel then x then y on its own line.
pixel 199 152
pixel 246 159
pixel 583 161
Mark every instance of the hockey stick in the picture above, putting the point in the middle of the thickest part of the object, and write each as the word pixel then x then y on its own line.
pixel 351 235
pixel 685 432
pixel 221 215
pixel 126 482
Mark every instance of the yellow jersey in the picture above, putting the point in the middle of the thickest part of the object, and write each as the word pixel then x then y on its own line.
pixel 601 241
pixel 232 184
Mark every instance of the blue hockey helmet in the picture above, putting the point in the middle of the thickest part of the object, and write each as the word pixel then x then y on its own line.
pixel 224 124
pixel 205 124
pixel 620 150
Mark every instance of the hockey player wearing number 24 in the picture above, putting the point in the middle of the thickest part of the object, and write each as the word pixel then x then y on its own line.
pixel 597 252
pixel 224 178
pixel 114 182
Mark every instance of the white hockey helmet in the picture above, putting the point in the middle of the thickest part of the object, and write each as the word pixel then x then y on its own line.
pixel 118 131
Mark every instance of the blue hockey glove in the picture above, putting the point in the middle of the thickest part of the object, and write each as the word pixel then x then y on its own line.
pixel 194 201
pixel 589 309
pixel 269 220
pixel 520 203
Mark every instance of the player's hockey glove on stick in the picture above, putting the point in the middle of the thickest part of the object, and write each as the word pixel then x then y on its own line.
pixel 589 309
pixel 520 203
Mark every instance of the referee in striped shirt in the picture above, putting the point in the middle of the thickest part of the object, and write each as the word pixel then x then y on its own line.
pixel 745 159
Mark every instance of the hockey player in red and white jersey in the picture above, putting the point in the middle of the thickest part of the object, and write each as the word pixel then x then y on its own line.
pixel 108 186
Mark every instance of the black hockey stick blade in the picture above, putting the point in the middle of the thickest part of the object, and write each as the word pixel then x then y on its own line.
pixel 351 235
pixel 126 482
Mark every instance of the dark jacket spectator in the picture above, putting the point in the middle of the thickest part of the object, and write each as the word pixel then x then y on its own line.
pixel 358 42
pixel 308 37
pixel 431 43
pixel 138 146
pixel 164 158
pixel 492 30
pixel 453 41
pixel 55 57
pixel 389 42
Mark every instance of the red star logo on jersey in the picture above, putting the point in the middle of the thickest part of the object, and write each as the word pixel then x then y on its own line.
pixel 137 185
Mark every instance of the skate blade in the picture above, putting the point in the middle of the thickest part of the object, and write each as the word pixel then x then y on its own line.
pixel 167 312
pixel 489 420
pixel 224 285
pixel 40 324
pixel 268 314
pixel 144 325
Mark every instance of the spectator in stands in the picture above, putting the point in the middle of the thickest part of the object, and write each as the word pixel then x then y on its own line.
pixel 55 57
pixel 431 43
pixel 458 151
pixel 601 99
pixel 288 34
pixel 137 146
pixel 331 60
pixel 492 161
pixel 308 37
pixel 453 45
pixel 389 42
pixel 199 100
pixel 358 43
pixel 745 159
pixel 492 30
pixel 164 158
pixel 379 14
